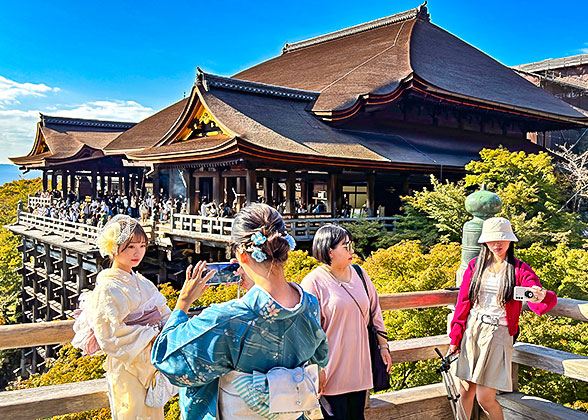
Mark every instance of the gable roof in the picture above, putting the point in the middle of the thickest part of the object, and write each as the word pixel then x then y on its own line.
pixel 60 139
pixel 376 57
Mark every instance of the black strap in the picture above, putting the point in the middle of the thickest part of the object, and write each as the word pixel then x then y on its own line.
pixel 347 291
pixel 360 274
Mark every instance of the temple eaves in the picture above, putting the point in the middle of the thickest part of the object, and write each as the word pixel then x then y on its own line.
pixel 420 12
pixel 80 122
pixel 209 80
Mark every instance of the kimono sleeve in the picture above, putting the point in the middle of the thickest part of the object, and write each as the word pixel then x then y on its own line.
pixel 116 339
pixel 321 354
pixel 196 351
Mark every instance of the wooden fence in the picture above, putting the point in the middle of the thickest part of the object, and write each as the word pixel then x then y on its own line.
pixel 70 231
pixel 426 402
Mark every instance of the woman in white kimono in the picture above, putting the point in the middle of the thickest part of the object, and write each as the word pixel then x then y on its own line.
pixel 126 313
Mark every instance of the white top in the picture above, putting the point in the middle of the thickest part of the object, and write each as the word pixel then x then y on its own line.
pixel 487 303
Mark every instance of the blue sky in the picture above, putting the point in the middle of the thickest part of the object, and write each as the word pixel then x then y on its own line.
pixel 126 60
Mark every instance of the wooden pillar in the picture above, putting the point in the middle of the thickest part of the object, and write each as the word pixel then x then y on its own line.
pixel 109 184
pixel 94 184
pixel 291 192
pixel 156 187
pixel 102 186
pixel 303 193
pixel 53 180
pixel 371 195
pixel 123 183
pixel 191 195
pixel 251 186
pixel 82 277
pixel 332 193
pixel 276 196
pixel 48 283
pixel 44 180
pixel 267 190
pixel 64 280
pixel 162 275
pixel 63 183
pixel 217 187
pixel 35 285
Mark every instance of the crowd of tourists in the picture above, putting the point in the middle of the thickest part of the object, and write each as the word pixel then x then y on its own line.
pixel 283 350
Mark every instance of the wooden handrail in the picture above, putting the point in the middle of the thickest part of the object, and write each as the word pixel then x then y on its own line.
pixel 57 332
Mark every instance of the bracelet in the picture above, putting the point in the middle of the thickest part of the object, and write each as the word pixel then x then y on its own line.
pixel 383 346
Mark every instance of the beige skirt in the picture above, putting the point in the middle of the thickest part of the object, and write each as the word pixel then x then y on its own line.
pixel 486 355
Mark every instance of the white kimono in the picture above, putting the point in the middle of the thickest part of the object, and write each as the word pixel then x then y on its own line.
pixel 128 347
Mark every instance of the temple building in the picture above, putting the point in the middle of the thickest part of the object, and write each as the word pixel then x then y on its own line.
pixel 344 123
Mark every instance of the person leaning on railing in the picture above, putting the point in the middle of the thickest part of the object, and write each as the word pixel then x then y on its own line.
pixel 276 324
pixel 345 314
pixel 486 318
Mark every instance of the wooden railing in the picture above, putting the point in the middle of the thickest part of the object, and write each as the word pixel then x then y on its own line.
pixel 426 402
pixel 34 202
pixel 70 231
pixel 302 228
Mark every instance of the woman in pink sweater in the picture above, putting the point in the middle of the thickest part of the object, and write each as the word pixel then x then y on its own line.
pixel 345 311
pixel 487 317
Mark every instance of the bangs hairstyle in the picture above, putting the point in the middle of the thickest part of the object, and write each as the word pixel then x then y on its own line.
pixel 508 282
pixel 137 235
pixel 327 238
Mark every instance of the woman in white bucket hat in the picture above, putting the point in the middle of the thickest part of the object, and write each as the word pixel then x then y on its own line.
pixel 487 317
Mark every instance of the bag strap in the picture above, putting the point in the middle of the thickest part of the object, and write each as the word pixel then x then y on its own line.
pixel 347 291
pixel 371 324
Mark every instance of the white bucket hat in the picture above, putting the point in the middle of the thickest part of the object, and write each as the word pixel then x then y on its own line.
pixel 497 229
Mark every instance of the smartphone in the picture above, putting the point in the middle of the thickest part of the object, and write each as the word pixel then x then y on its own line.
pixel 225 273
pixel 523 293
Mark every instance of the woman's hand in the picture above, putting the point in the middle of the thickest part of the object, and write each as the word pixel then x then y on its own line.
pixel 385 352
pixel 194 285
pixel 453 349
pixel 538 294
pixel 322 381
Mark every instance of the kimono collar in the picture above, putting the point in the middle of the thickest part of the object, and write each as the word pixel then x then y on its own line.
pixel 262 303
pixel 116 273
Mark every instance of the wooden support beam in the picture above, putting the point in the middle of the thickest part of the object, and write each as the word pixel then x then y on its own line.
pixel 44 180
pixel 371 195
pixel 291 192
pixel 191 193
pixel 48 283
pixel 412 300
pixel 217 187
pixel 267 190
pixel 82 275
pixel 251 186
pixel 64 280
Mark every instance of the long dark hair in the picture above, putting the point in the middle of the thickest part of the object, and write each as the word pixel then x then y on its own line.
pixel 506 288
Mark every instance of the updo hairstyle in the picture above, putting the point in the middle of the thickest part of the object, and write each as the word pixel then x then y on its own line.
pixel 261 218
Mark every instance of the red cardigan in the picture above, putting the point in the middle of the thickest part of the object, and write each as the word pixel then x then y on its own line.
pixel 524 276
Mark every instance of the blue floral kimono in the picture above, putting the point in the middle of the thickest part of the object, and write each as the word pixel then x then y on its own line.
pixel 253 333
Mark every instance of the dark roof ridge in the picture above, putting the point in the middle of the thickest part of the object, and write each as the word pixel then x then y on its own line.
pixel 417 12
pixel 208 79
pixel 81 122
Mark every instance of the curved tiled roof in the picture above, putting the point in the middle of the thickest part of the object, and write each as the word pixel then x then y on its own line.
pixel 149 131
pixel 375 57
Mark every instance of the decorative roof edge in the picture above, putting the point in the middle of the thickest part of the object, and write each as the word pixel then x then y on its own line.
pixel 557 80
pixel 554 63
pixel 80 122
pixel 420 12
pixel 210 80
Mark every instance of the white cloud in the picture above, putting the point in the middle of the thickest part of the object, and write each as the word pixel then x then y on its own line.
pixel 17 126
pixel 10 91
pixel 107 110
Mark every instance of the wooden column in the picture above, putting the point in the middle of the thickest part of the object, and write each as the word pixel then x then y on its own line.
pixel 82 277
pixel 192 198
pixel 276 196
pixel 94 184
pixel 53 180
pixel 267 190
pixel 123 183
pixel 109 185
pixel 35 311
pixel 291 192
pixel 102 186
pixel 64 280
pixel 44 180
pixel 251 186
pixel 48 283
pixel 156 187
pixel 217 187
pixel 332 193
pixel 63 183
pixel 371 195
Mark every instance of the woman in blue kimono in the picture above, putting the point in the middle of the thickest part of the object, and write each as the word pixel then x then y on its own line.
pixel 275 324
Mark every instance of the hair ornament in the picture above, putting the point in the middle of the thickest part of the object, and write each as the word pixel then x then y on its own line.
pixel 291 241
pixel 258 238
pixel 257 254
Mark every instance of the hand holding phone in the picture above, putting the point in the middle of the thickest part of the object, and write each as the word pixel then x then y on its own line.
pixel 225 273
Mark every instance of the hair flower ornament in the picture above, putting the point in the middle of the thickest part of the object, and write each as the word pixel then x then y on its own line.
pixel 258 238
pixel 291 241
pixel 257 254
pixel 108 240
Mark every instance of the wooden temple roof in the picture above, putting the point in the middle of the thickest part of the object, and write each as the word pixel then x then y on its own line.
pixel 60 140
pixel 376 60
pixel 270 123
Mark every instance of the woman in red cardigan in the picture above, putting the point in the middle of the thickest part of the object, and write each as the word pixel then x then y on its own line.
pixel 487 317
